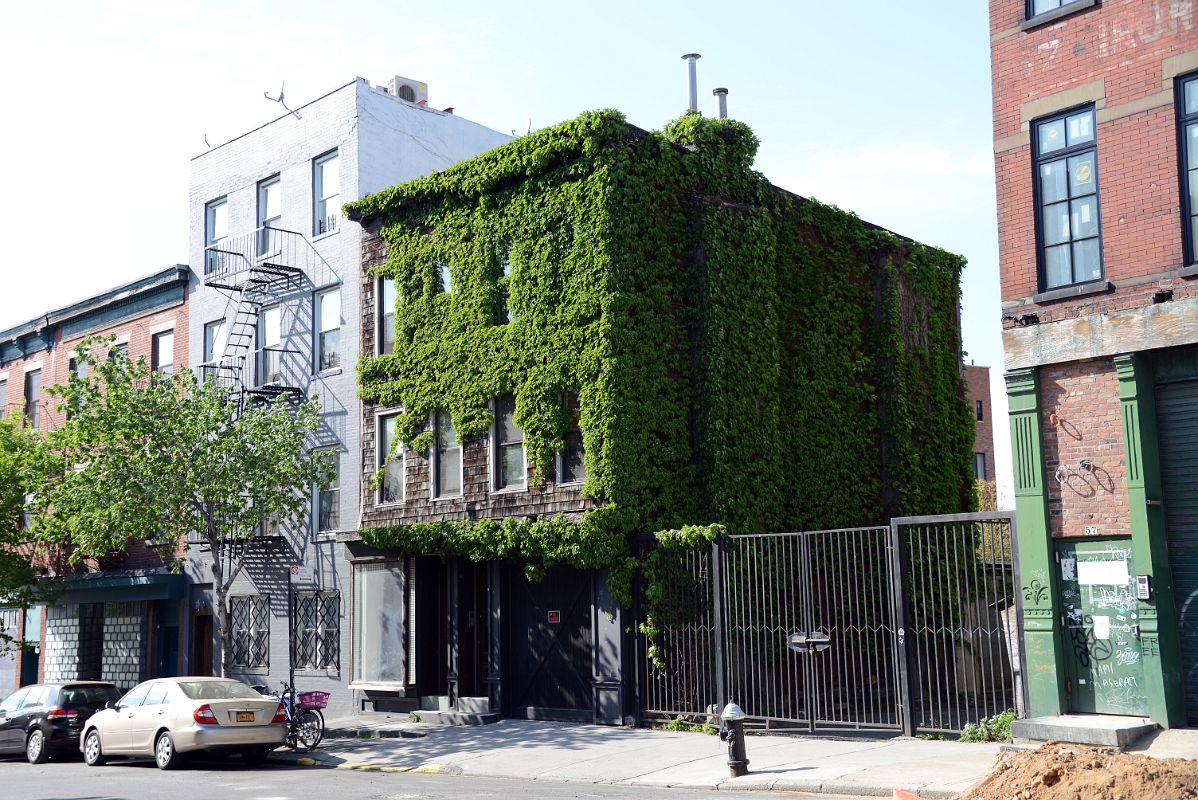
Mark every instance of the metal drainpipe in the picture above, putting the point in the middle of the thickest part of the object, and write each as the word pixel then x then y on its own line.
pixel 691 60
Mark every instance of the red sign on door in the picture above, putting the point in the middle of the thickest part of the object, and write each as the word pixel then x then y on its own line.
pixel 555 617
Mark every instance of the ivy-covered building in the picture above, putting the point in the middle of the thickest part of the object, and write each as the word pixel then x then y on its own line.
pixel 595 332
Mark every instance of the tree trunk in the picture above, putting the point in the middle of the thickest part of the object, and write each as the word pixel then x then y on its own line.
pixel 222 622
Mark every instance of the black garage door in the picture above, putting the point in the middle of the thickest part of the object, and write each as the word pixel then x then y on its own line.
pixel 1177 423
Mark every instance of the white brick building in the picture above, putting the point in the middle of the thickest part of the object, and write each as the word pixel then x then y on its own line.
pixel 273 196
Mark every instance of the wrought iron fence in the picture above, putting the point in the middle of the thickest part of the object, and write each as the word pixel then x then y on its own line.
pixel 915 613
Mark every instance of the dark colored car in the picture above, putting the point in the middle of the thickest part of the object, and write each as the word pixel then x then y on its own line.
pixel 45 719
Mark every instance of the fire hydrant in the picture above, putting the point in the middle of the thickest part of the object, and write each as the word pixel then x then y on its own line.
pixel 732 731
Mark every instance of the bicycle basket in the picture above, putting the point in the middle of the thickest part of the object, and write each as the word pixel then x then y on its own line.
pixel 312 699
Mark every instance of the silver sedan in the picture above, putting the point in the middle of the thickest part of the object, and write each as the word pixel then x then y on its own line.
pixel 169 717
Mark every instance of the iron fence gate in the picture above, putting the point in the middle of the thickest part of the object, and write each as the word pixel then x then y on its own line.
pixel 922 618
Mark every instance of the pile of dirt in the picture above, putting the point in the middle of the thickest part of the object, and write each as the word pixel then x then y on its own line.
pixel 1075 772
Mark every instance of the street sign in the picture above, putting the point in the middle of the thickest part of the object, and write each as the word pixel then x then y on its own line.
pixel 303 574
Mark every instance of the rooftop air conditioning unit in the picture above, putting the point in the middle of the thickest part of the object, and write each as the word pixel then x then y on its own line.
pixel 408 89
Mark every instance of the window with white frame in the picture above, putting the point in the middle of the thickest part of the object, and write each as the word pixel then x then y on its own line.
pixel 249 619
pixel 979 466
pixel 447 457
pixel 328 497
pixel 270 215
pixel 388 299
pixel 3 397
pixel 162 352
pixel 1066 163
pixel 216 229
pixel 569 461
pixel 317 625
pixel 269 367
pixel 33 396
pixel 328 336
pixel 215 336
pixel 379 603
pixel 326 192
pixel 507 446
pixel 391 481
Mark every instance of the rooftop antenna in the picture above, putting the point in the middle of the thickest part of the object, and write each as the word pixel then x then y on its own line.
pixel 280 101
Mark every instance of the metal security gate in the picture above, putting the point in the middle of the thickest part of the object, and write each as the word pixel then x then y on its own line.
pixel 916 614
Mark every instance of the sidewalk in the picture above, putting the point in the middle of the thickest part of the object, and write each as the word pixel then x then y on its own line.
pixel 595 754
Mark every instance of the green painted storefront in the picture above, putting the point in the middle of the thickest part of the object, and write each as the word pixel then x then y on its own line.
pixel 1093 644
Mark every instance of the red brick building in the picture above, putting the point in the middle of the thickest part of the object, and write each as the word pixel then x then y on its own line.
pixel 115 619
pixel 1096 155
pixel 977 380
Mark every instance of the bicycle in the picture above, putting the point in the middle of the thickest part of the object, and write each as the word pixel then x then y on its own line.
pixel 305 729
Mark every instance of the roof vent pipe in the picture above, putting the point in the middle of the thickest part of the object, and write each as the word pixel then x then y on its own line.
pixel 691 60
pixel 722 93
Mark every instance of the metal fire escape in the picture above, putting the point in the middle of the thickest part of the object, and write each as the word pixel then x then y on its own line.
pixel 256 271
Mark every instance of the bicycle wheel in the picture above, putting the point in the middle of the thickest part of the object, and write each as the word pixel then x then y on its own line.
pixel 308 731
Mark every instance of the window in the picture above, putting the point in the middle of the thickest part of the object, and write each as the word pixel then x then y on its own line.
pixel 3 397
pixel 1187 136
pixel 215 336
pixel 162 352
pixel 78 369
pixel 328 498
pixel 1066 164
pixel 506 312
pixel 569 460
pixel 446 279
pixel 158 694
pixel 379 623
pixel 508 446
pixel 979 466
pixel 328 341
pixel 216 228
pixel 270 352
pixel 1037 7
pixel 447 457
pixel 33 396
pixel 270 214
pixel 135 696
pixel 317 630
pixel 27 512
pixel 391 484
pixel 326 192
pixel 979 410
pixel 119 351
pixel 388 299
pixel 250 619
pixel 13 701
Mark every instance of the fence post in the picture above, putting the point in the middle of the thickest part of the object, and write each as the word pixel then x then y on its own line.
pixel 717 588
pixel 902 621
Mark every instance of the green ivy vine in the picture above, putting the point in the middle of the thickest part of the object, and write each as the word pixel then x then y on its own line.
pixel 745 359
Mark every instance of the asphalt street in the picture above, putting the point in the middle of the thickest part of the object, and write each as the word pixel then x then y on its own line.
pixel 228 780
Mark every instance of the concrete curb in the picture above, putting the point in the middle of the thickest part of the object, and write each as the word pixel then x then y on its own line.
pixel 420 769
pixel 372 733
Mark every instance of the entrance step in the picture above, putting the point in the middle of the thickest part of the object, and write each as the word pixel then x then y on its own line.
pixel 1104 730
pixel 457 717
pixel 435 702
pixel 474 705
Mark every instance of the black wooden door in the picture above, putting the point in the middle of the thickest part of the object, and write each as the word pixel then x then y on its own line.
pixel 548 652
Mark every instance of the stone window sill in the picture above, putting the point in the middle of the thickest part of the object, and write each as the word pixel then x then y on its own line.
pixel 1056 14
pixel 1099 286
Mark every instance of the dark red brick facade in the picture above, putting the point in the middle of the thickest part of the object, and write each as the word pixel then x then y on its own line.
pixel 977 380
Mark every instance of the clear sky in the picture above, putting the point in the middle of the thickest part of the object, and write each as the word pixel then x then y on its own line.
pixel 882 108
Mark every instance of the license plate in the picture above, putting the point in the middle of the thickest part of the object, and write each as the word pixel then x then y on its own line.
pixel 245 716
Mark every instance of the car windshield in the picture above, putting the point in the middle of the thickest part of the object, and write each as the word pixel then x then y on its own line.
pixel 89 696
pixel 218 690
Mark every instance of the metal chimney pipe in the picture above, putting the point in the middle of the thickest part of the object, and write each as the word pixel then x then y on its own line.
pixel 691 59
pixel 722 93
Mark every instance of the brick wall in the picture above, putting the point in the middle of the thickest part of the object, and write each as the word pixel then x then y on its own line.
pixel 1120 55
pixel 978 381
pixel 477 499
pixel 1083 421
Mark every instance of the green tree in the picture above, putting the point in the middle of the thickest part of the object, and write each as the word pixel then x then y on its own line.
pixel 25 461
pixel 157 457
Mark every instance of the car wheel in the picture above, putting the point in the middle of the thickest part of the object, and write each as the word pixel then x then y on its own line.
pixel 35 747
pixel 93 755
pixel 254 757
pixel 165 754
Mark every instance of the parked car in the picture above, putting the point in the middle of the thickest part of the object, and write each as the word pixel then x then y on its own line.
pixel 44 720
pixel 169 717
